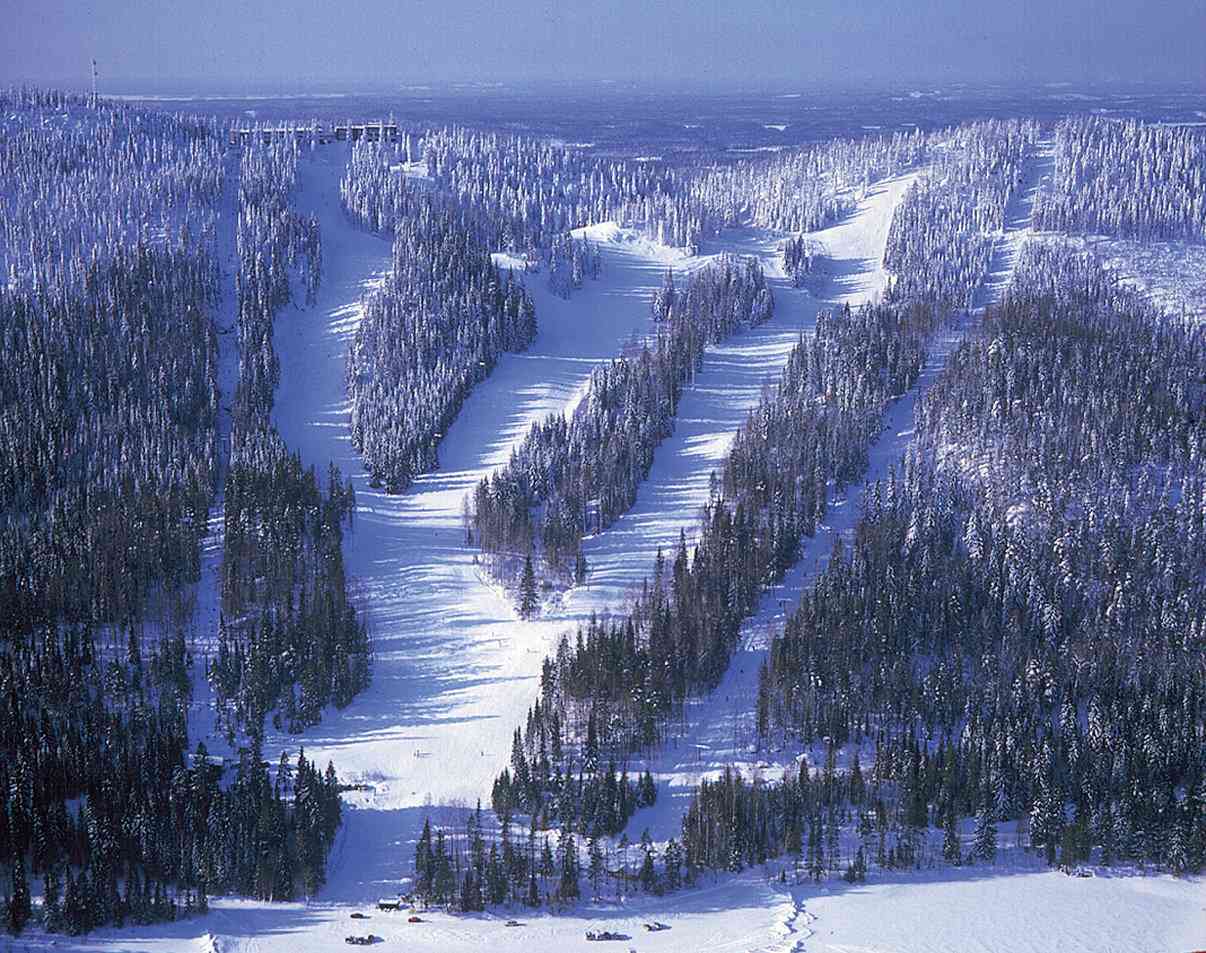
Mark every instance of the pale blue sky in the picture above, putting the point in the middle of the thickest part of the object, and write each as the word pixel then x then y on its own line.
pixel 747 42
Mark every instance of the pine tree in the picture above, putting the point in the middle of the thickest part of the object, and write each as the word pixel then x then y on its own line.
pixel 952 849
pixel 528 601
pixel 672 862
pixel 598 866
pixel 568 889
pixel 424 862
pixel 984 844
pixel 19 909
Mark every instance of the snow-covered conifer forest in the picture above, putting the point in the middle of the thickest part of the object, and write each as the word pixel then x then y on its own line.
pixel 521 531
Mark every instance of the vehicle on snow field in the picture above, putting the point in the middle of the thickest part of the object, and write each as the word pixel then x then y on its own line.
pixel 513 923
pixel 657 926
pixel 414 918
pixel 388 903
pixel 606 935
pixel 360 916
pixel 362 940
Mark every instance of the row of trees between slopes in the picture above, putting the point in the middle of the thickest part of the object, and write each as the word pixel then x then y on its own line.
pixel 290 642
pixel 942 234
pixel 577 475
pixel 433 329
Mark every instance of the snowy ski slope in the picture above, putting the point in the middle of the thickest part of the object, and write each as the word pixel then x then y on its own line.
pixel 455 669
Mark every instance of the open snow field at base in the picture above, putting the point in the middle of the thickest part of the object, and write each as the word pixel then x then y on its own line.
pixel 742 914
pixel 976 911
pixel 968 910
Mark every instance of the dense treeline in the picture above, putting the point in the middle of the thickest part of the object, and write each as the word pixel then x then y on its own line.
pixel 1028 646
pixel 102 801
pixel 531 190
pixel 84 181
pixel 940 244
pixel 433 329
pixel 107 444
pixel 802 190
pixel 577 475
pixel 290 641
pixel 108 396
pixel 1132 179
pixel 108 406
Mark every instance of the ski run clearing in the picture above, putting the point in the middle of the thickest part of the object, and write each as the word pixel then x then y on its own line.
pixel 455 670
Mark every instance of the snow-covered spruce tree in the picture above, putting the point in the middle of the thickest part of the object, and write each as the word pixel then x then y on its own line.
pixel 434 328
pixel 577 475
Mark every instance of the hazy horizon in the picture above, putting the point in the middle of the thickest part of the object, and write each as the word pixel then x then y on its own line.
pixel 703 46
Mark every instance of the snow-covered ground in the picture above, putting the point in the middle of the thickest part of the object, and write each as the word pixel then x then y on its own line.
pixel 736 915
pixel 455 669
pixel 721 731
pixel 1172 274
pixel 984 911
